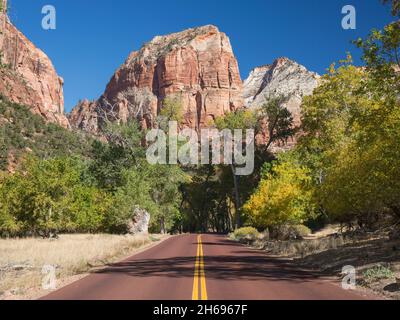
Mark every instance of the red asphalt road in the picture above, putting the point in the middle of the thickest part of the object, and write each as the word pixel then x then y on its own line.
pixel 232 272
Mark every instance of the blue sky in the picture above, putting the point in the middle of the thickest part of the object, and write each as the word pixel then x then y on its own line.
pixel 93 37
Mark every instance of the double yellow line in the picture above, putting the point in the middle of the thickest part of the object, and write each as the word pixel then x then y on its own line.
pixel 199 274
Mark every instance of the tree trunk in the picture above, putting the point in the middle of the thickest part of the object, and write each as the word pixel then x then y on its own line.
pixel 162 225
pixel 396 211
pixel 238 222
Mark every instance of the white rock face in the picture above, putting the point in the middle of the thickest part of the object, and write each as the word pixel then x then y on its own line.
pixel 282 78
pixel 140 222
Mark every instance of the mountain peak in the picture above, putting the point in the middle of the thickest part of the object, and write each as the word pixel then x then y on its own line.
pixel 197 64
pixel 283 77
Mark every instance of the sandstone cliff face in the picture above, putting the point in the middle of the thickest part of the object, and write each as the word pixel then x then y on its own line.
pixel 282 78
pixel 27 76
pixel 85 117
pixel 197 65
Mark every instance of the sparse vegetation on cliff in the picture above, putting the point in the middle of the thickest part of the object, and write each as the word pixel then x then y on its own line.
pixel 22 132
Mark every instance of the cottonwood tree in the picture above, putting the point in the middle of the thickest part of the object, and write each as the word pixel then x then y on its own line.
pixel 120 166
pixel 279 127
pixel 279 120
pixel 350 128
pixel 284 195
pixel 241 119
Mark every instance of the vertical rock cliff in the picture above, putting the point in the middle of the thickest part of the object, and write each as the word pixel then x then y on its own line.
pixel 283 77
pixel 196 65
pixel 27 75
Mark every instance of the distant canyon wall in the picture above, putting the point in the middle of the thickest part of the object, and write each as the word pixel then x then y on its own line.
pixel 27 75
pixel 196 65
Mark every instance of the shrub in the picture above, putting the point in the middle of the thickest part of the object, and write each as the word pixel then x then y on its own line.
pixel 301 230
pixel 377 273
pixel 246 234
pixel 289 232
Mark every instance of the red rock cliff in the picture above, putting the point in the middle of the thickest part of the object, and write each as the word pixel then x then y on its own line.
pixel 27 76
pixel 197 65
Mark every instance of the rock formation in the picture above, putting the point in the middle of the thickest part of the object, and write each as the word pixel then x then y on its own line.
pixel 283 77
pixel 140 222
pixel 196 65
pixel 84 116
pixel 27 76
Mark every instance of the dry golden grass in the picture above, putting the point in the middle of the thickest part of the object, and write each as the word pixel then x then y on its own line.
pixel 302 248
pixel 22 260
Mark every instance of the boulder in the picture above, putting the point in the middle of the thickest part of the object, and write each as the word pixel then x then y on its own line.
pixel 140 222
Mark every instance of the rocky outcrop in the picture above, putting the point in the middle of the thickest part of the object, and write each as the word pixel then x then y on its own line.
pixel 27 76
pixel 140 222
pixel 84 116
pixel 196 65
pixel 283 77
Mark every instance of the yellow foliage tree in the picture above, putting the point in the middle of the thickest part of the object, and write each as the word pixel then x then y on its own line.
pixel 285 195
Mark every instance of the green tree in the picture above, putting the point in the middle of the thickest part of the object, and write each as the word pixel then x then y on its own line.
pixel 123 150
pixel 51 196
pixel 172 110
pixel 166 181
pixel 207 202
pixel 120 168
pixel 241 119
pixel 279 120
pixel 135 191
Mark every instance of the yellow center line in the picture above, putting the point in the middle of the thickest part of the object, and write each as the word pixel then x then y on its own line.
pixel 199 274
pixel 195 294
pixel 202 274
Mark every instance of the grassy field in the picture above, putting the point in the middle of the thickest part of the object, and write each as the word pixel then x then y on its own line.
pixel 22 260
